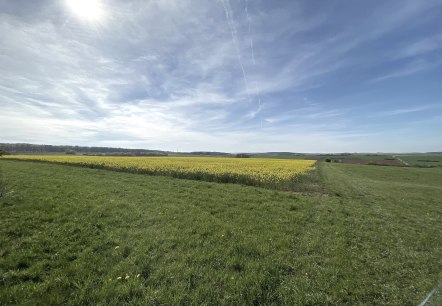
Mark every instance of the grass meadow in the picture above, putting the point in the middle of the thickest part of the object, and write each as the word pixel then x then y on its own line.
pixel 365 235
pixel 425 160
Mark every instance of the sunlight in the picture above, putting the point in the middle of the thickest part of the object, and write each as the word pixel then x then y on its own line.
pixel 87 10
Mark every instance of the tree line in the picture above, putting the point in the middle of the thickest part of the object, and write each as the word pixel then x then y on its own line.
pixel 27 148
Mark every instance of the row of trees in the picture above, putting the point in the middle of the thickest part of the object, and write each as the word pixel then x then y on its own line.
pixel 15 148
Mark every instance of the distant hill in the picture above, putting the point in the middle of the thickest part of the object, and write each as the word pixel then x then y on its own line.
pixel 27 148
pixel 208 153
pixel 277 154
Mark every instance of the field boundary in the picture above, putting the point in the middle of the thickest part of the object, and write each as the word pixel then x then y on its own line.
pixel 402 161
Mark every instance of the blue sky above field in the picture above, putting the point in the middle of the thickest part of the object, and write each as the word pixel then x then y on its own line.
pixel 300 76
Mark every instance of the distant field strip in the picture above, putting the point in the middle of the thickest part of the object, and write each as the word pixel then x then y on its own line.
pixel 273 173
pixel 428 160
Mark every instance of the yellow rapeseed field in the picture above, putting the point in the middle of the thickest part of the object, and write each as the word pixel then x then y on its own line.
pixel 251 171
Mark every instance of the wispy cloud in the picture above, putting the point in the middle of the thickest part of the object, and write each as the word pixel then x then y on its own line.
pixel 408 69
pixel 408 110
pixel 420 47
pixel 221 75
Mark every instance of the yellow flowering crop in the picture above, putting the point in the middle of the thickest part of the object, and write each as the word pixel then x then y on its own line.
pixel 266 172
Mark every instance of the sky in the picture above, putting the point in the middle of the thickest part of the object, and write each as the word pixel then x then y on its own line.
pixel 232 76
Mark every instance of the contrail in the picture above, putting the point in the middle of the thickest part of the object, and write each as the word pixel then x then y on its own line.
pixel 257 91
pixel 248 28
pixel 229 17
pixel 253 53
pixel 259 96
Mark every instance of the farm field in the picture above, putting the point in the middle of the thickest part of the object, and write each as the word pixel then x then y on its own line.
pixel 275 173
pixel 434 160
pixel 370 157
pixel 350 158
pixel 75 235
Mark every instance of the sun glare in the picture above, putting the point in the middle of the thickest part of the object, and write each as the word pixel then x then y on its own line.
pixel 87 10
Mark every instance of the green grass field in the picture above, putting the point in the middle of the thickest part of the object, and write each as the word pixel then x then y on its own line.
pixel 322 157
pixel 370 236
pixel 432 160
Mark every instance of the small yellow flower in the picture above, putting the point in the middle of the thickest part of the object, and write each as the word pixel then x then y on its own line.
pixel 138 275
pixel 119 277
pixel 110 279
pixel 117 247
pixel 127 276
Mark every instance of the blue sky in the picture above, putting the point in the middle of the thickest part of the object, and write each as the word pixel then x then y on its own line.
pixel 256 75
